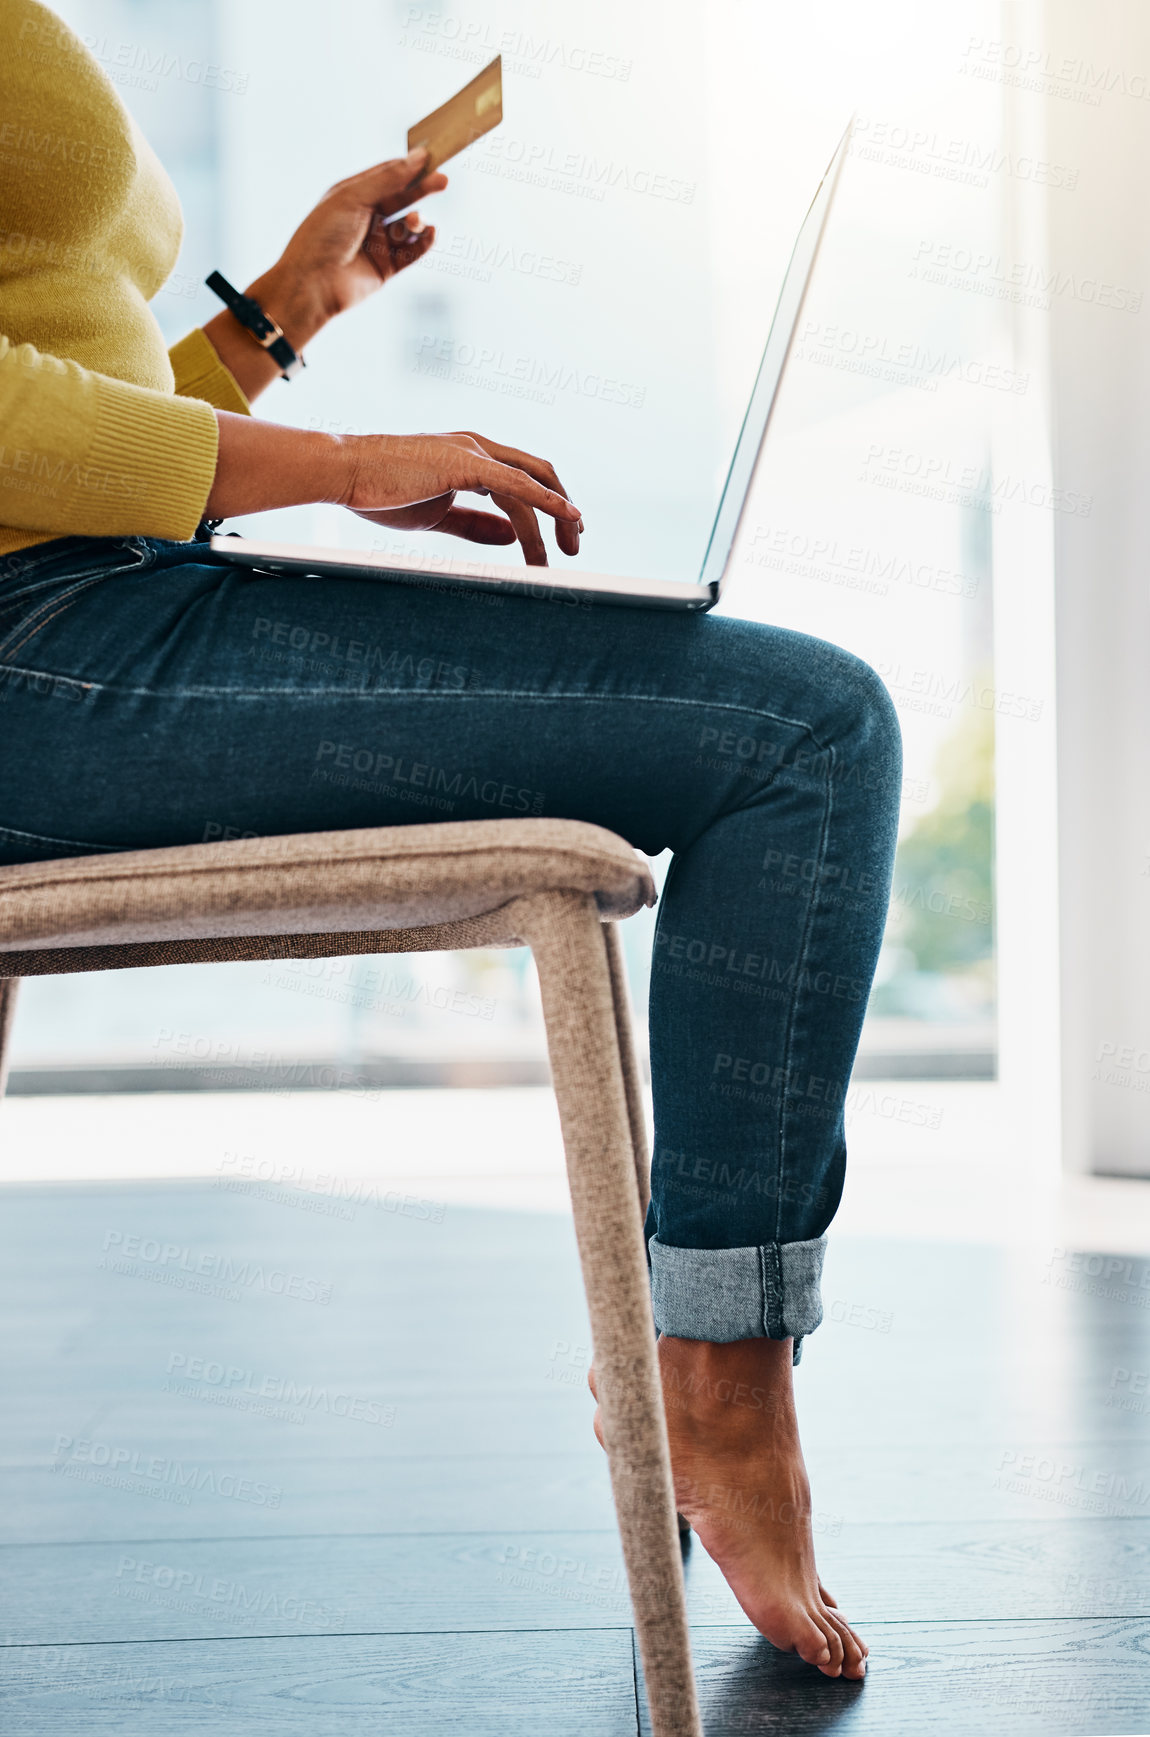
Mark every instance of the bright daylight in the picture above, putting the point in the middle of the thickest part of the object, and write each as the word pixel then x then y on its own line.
pixel 575 868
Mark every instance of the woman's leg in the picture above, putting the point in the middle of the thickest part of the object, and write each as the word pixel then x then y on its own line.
pixel 153 696
pixel 768 934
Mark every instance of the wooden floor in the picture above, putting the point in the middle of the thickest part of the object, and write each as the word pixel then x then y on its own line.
pixel 352 1486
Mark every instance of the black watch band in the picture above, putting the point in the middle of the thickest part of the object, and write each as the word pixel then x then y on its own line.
pixel 262 328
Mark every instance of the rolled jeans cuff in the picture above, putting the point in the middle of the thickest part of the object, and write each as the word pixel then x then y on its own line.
pixel 721 1294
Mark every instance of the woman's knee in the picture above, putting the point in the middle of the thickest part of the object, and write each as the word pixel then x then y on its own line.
pixel 865 739
pixel 870 714
pixel 843 700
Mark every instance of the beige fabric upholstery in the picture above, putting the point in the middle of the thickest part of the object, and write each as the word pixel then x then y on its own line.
pixel 395 877
pixel 547 883
pixel 496 929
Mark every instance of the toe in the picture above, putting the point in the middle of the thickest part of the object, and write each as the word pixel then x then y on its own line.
pixel 826 1597
pixel 831 1667
pixel 811 1644
pixel 854 1649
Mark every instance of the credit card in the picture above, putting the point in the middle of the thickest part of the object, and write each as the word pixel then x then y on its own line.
pixel 472 112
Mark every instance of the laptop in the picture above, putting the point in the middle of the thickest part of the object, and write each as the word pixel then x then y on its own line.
pixel 437 570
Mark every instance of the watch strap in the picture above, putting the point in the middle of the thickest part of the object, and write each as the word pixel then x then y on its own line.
pixel 261 326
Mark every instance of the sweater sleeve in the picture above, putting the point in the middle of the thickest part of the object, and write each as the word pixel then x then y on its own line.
pixel 200 374
pixel 82 454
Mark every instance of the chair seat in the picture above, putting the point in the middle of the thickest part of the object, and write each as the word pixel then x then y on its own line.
pixel 313 883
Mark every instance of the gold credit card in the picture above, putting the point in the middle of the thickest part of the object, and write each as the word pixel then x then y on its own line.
pixel 472 112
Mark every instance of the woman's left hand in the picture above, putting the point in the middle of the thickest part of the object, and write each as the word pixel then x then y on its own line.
pixel 354 240
pixel 350 244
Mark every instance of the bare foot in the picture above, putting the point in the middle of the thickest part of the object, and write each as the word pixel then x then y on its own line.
pixel 741 1482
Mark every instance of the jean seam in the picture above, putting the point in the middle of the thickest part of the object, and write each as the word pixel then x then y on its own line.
pixel 40 616
pixel 39 571
pixel 62 605
pixel 779 1310
pixel 81 845
pixel 306 694
pixel 792 1012
pixel 18 566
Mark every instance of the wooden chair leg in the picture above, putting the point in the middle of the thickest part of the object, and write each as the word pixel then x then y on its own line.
pixel 583 1033
pixel 632 1079
pixel 8 989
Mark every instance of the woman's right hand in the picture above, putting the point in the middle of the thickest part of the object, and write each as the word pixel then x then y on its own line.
pixel 409 481
pixel 405 480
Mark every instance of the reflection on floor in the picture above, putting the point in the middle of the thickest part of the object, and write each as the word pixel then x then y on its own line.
pixel 928 1160
pixel 312 1460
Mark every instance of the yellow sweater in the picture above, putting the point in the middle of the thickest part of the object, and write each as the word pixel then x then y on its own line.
pixel 103 431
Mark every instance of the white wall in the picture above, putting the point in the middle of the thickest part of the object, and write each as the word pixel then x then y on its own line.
pixel 1096 78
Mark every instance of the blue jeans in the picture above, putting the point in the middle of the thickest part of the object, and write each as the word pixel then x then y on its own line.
pixel 153 695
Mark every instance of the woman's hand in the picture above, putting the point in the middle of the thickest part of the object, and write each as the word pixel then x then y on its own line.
pixel 342 252
pixel 409 482
pixel 353 240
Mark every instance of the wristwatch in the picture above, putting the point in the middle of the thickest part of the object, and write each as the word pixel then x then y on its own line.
pixel 261 326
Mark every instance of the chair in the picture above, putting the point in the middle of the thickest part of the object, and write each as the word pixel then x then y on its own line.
pixel 557 886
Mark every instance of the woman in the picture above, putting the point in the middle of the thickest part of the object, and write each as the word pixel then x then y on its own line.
pixel 155 696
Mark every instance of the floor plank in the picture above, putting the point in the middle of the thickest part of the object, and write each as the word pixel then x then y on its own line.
pixel 1025 1679
pixel 169 1588
pixel 425 1493
pixel 1035 1679
pixel 505 1685
pixel 173 1484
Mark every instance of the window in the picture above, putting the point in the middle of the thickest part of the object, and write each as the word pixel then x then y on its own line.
pixel 605 272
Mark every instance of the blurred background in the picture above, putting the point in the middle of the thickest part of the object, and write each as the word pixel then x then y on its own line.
pixel 953 490
pixel 604 276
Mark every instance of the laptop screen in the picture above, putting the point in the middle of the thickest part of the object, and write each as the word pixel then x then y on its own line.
pixel 778 346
